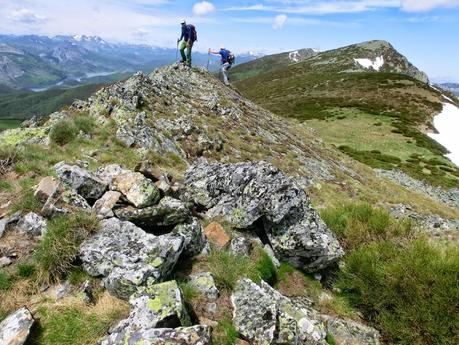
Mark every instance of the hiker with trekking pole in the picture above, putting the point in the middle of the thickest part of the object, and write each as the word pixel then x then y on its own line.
pixel 186 41
pixel 227 60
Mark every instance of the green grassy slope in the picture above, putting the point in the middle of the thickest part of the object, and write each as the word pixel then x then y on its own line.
pixel 347 106
pixel 23 105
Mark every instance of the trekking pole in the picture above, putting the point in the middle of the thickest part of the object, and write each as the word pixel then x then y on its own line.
pixel 176 52
pixel 208 61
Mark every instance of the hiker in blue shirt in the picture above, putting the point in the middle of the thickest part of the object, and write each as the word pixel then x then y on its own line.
pixel 186 41
pixel 227 62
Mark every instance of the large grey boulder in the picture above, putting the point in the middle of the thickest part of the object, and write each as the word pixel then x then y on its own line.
pixel 128 258
pixel 83 182
pixel 168 212
pixel 138 190
pixel 32 224
pixel 15 329
pixel 349 332
pixel 194 335
pixel 264 316
pixel 254 193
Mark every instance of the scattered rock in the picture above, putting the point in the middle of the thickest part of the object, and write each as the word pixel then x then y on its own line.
pixel 109 172
pixel 216 235
pixel 449 197
pixel 88 296
pixel 3 224
pixel 193 234
pixel 103 207
pixel 84 183
pixel 139 190
pixel 349 332
pixel 32 224
pixel 241 246
pixel 46 188
pixel 15 329
pixel 264 316
pixel 127 257
pixel 4 261
pixel 168 212
pixel 259 197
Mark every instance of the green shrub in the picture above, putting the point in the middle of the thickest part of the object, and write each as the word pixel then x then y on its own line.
pixel 59 246
pixel 63 132
pixel 5 281
pixel 26 270
pixel 228 268
pixel 9 155
pixel 85 123
pixel 409 291
pixel 357 224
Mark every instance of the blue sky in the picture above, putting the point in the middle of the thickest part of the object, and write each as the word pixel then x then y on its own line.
pixel 426 31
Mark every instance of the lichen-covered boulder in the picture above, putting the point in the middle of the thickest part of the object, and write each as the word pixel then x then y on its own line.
pixel 32 224
pixel 193 234
pixel 194 335
pixel 83 182
pixel 168 212
pixel 103 207
pixel 349 332
pixel 158 306
pixel 127 257
pixel 264 316
pixel 15 329
pixel 108 172
pixel 138 190
pixel 256 194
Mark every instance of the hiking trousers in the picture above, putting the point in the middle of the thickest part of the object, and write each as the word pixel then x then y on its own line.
pixel 186 58
pixel 225 67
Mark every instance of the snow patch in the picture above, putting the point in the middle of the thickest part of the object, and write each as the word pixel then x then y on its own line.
pixel 447 123
pixel 294 56
pixel 375 64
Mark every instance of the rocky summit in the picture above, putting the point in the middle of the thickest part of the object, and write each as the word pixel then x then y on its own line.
pixel 169 209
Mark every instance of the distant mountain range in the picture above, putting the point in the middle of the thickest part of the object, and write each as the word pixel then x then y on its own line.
pixel 38 62
pixel 451 87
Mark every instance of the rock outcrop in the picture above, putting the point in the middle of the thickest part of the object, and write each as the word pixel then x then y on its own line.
pixel 257 196
pixel 127 257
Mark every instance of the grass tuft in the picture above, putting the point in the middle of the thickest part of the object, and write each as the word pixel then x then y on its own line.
pixel 5 281
pixel 58 249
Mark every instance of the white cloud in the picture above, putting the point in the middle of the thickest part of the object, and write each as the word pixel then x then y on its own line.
pixel 203 8
pixel 140 32
pixel 27 16
pixel 426 5
pixel 279 21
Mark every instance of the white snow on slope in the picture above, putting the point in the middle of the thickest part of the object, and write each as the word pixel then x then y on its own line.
pixel 447 125
pixel 367 63
pixel 294 56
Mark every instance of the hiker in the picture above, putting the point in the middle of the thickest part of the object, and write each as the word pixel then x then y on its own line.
pixel 227 62
pixel 186 41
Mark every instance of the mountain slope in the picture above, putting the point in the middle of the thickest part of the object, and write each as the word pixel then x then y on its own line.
pixel 379 118
pixel 162 156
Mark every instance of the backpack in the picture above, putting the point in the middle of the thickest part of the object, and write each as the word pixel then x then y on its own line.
pixel 194 33
pixel 231 58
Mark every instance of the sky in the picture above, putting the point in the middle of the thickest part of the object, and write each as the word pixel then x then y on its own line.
pixel 426 31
